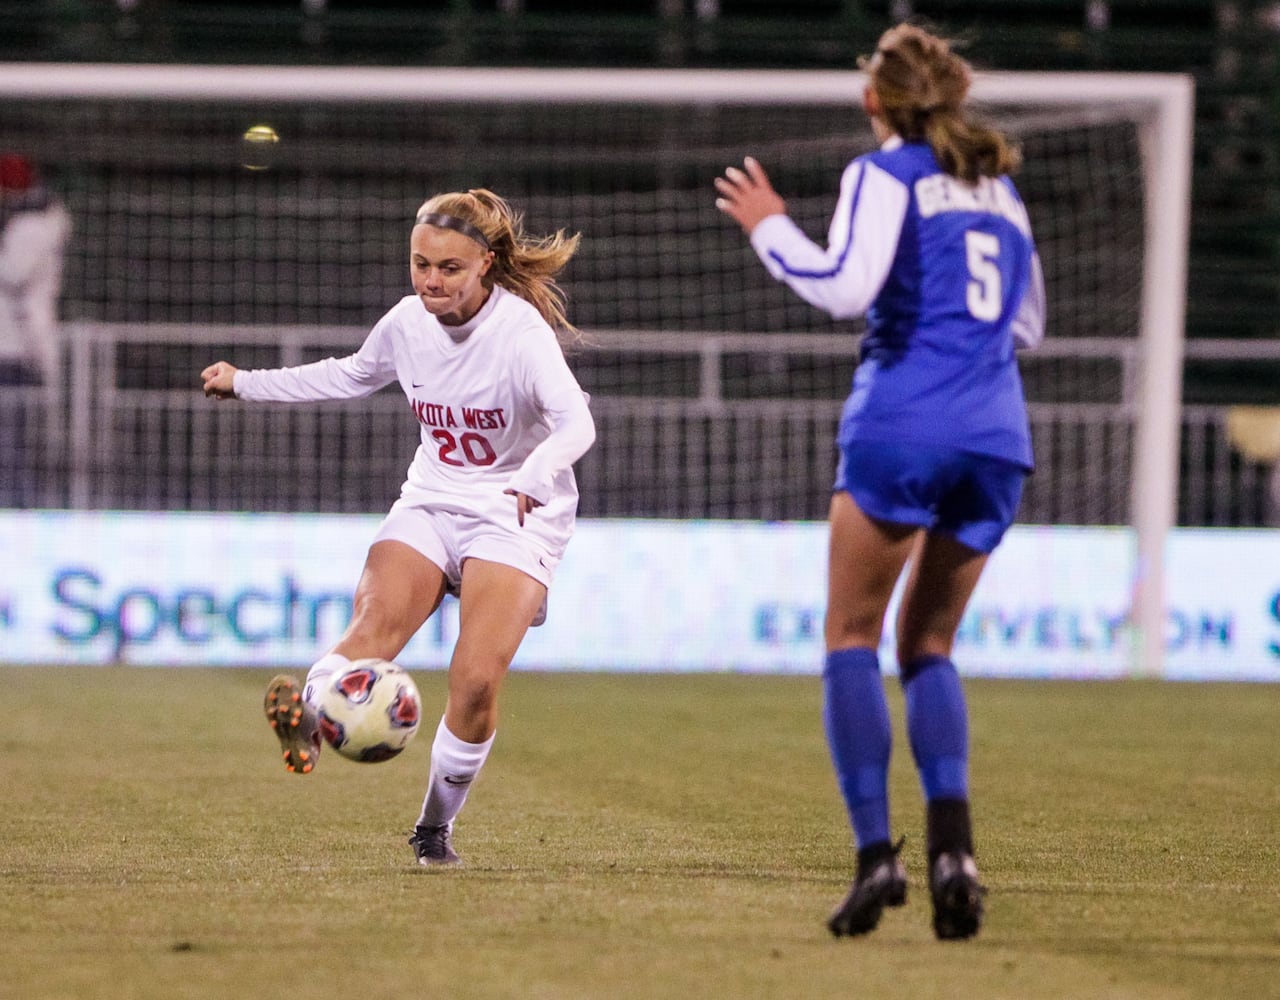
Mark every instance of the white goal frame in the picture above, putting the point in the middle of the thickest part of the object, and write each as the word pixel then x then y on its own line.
pixel 1161 104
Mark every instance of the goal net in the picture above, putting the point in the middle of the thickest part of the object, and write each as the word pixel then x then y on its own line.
pixel 715 390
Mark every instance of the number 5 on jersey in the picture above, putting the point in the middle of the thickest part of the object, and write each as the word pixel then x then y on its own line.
pixel 983 294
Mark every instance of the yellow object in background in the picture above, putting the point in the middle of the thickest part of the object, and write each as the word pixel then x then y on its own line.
pixel 258 147
pixel 1254 431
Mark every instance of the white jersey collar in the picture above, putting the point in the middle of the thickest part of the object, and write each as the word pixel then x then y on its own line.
pixel 462 331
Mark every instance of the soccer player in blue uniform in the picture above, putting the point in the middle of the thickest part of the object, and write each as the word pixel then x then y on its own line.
pixel 931 242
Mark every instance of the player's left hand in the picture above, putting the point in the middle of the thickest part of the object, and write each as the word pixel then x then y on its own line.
pixel 525 504
pixel 747 197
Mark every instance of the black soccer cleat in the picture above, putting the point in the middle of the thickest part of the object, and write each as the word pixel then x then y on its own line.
pixel 433 846
pixel 957 896
pixel 878 883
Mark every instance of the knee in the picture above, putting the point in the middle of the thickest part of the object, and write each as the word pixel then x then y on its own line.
pixel 920 648
pixel 909 667
pixel 473 693
pixel 843 631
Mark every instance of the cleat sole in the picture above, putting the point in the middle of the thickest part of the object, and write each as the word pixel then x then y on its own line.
pixel 286 714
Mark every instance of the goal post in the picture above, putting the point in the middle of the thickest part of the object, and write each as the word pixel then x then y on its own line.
pixel 1164 107
pixel 174 234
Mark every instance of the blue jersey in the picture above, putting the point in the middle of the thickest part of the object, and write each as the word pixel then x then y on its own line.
pixel 947 275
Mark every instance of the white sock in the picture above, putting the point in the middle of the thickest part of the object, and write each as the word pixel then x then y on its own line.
pixel 454 765
pixel 320 672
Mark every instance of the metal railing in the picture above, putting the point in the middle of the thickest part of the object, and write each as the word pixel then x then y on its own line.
pixel 690 425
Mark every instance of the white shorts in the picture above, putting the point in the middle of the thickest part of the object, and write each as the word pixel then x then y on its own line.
pixel 448 540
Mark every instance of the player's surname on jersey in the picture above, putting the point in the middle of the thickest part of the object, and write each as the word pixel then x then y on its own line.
pixel 944 193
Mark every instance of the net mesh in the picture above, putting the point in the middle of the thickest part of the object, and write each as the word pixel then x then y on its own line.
pixel 715 389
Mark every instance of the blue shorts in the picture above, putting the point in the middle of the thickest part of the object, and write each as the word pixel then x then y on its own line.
pixel 971 497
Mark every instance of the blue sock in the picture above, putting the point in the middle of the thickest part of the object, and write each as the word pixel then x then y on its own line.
pixel 856 716
pixel 938 726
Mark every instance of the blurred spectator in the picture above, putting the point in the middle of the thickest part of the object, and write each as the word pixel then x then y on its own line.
pixel 34 227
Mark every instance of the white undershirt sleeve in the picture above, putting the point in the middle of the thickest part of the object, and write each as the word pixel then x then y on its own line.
pixel 1029 322
pixel 844 278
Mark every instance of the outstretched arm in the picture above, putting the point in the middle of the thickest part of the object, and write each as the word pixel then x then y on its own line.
pixel 844 278
pixel 351 377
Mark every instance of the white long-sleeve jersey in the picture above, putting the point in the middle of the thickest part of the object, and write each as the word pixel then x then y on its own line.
pixel 497 405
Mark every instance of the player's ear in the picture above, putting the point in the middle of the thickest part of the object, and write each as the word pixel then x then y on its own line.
pixel 487 264
pixel 871 102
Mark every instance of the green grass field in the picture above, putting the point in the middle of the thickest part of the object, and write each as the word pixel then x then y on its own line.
pixel 632 836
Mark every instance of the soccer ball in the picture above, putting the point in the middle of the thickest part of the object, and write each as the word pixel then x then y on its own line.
pixel 370 711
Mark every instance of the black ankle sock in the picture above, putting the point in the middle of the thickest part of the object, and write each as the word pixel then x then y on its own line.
pixel 873 854
pixel 948 828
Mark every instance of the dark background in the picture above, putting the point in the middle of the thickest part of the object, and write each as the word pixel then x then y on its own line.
pixel 1230 47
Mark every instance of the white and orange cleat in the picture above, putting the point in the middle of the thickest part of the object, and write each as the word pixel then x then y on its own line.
pixel 294 722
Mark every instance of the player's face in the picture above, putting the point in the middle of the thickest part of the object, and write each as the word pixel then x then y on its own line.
pixel 447 270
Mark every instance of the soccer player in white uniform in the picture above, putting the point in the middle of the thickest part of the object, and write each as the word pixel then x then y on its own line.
pixel 489 502
pixel 931 242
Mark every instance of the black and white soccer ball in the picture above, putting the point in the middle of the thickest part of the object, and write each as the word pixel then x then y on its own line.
pixel 370 711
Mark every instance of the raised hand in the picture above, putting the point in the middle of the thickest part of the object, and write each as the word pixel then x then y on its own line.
pixel 747 197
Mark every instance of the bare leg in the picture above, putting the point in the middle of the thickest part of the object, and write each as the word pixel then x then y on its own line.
pixel 498 604
pixel 866 557
pixel 942 580
pixel 398 591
